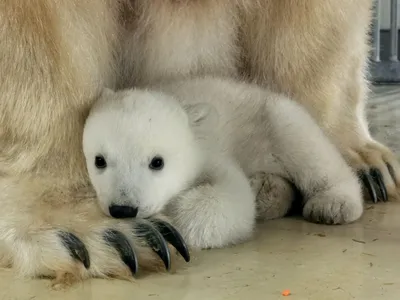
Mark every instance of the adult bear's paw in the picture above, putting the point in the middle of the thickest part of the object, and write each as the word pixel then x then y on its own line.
pixel 118 250
pixel 60 232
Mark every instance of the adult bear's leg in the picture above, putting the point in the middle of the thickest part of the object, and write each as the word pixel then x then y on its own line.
pixel 55 58
pixel 316 52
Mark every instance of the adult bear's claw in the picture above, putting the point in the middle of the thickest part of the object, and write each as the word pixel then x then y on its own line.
pixel 75 247
pixel 155 240
pixel 173 237
pixel 120 242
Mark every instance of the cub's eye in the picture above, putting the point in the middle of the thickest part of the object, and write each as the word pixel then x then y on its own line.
pixel 157 163
pixel 100 162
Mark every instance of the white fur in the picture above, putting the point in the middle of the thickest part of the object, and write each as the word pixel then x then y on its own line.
pixel 129 135
pixel 214 134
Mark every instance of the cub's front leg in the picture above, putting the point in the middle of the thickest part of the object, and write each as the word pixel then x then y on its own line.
pixel 218 211
pixel 59 232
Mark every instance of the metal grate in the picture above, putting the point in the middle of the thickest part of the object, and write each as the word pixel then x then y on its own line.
pixel 385 66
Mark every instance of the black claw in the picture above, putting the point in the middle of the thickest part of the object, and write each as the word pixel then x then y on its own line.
pixel 391 172
pixel 76 247
pixel 155 240
pixel 377 176
pixel 367 180
pixel 119 241
pixel 173 237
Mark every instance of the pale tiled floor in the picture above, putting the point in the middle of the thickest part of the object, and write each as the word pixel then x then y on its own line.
pixel 358 261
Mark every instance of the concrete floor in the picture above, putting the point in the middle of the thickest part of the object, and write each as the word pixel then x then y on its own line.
pixel 358 261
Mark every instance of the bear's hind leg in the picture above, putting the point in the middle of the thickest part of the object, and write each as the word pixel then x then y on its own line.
pixel 274 195
pixel 331 192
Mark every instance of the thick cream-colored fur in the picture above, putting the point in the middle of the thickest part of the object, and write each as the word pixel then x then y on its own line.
pixel 212 136
pixel 316 52
pixel 56 56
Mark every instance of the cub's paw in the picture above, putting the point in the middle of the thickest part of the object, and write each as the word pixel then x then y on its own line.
pixel 328 208
pixel 274 195
pixel 378 169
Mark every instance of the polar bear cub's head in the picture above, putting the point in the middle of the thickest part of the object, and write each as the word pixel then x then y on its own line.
pixel 141 150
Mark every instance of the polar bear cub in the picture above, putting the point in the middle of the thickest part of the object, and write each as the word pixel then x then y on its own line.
pixel 188 148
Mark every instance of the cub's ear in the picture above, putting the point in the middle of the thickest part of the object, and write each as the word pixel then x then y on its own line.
pixel 202 115
pixel 105 96
pixel 107 93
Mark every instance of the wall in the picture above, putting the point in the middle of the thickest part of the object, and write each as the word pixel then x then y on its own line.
pixel 385 13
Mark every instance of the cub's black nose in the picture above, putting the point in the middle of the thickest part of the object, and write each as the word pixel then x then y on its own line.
pixel 123 211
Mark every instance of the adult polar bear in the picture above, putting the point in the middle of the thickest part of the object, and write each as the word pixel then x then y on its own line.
pixel 56 56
